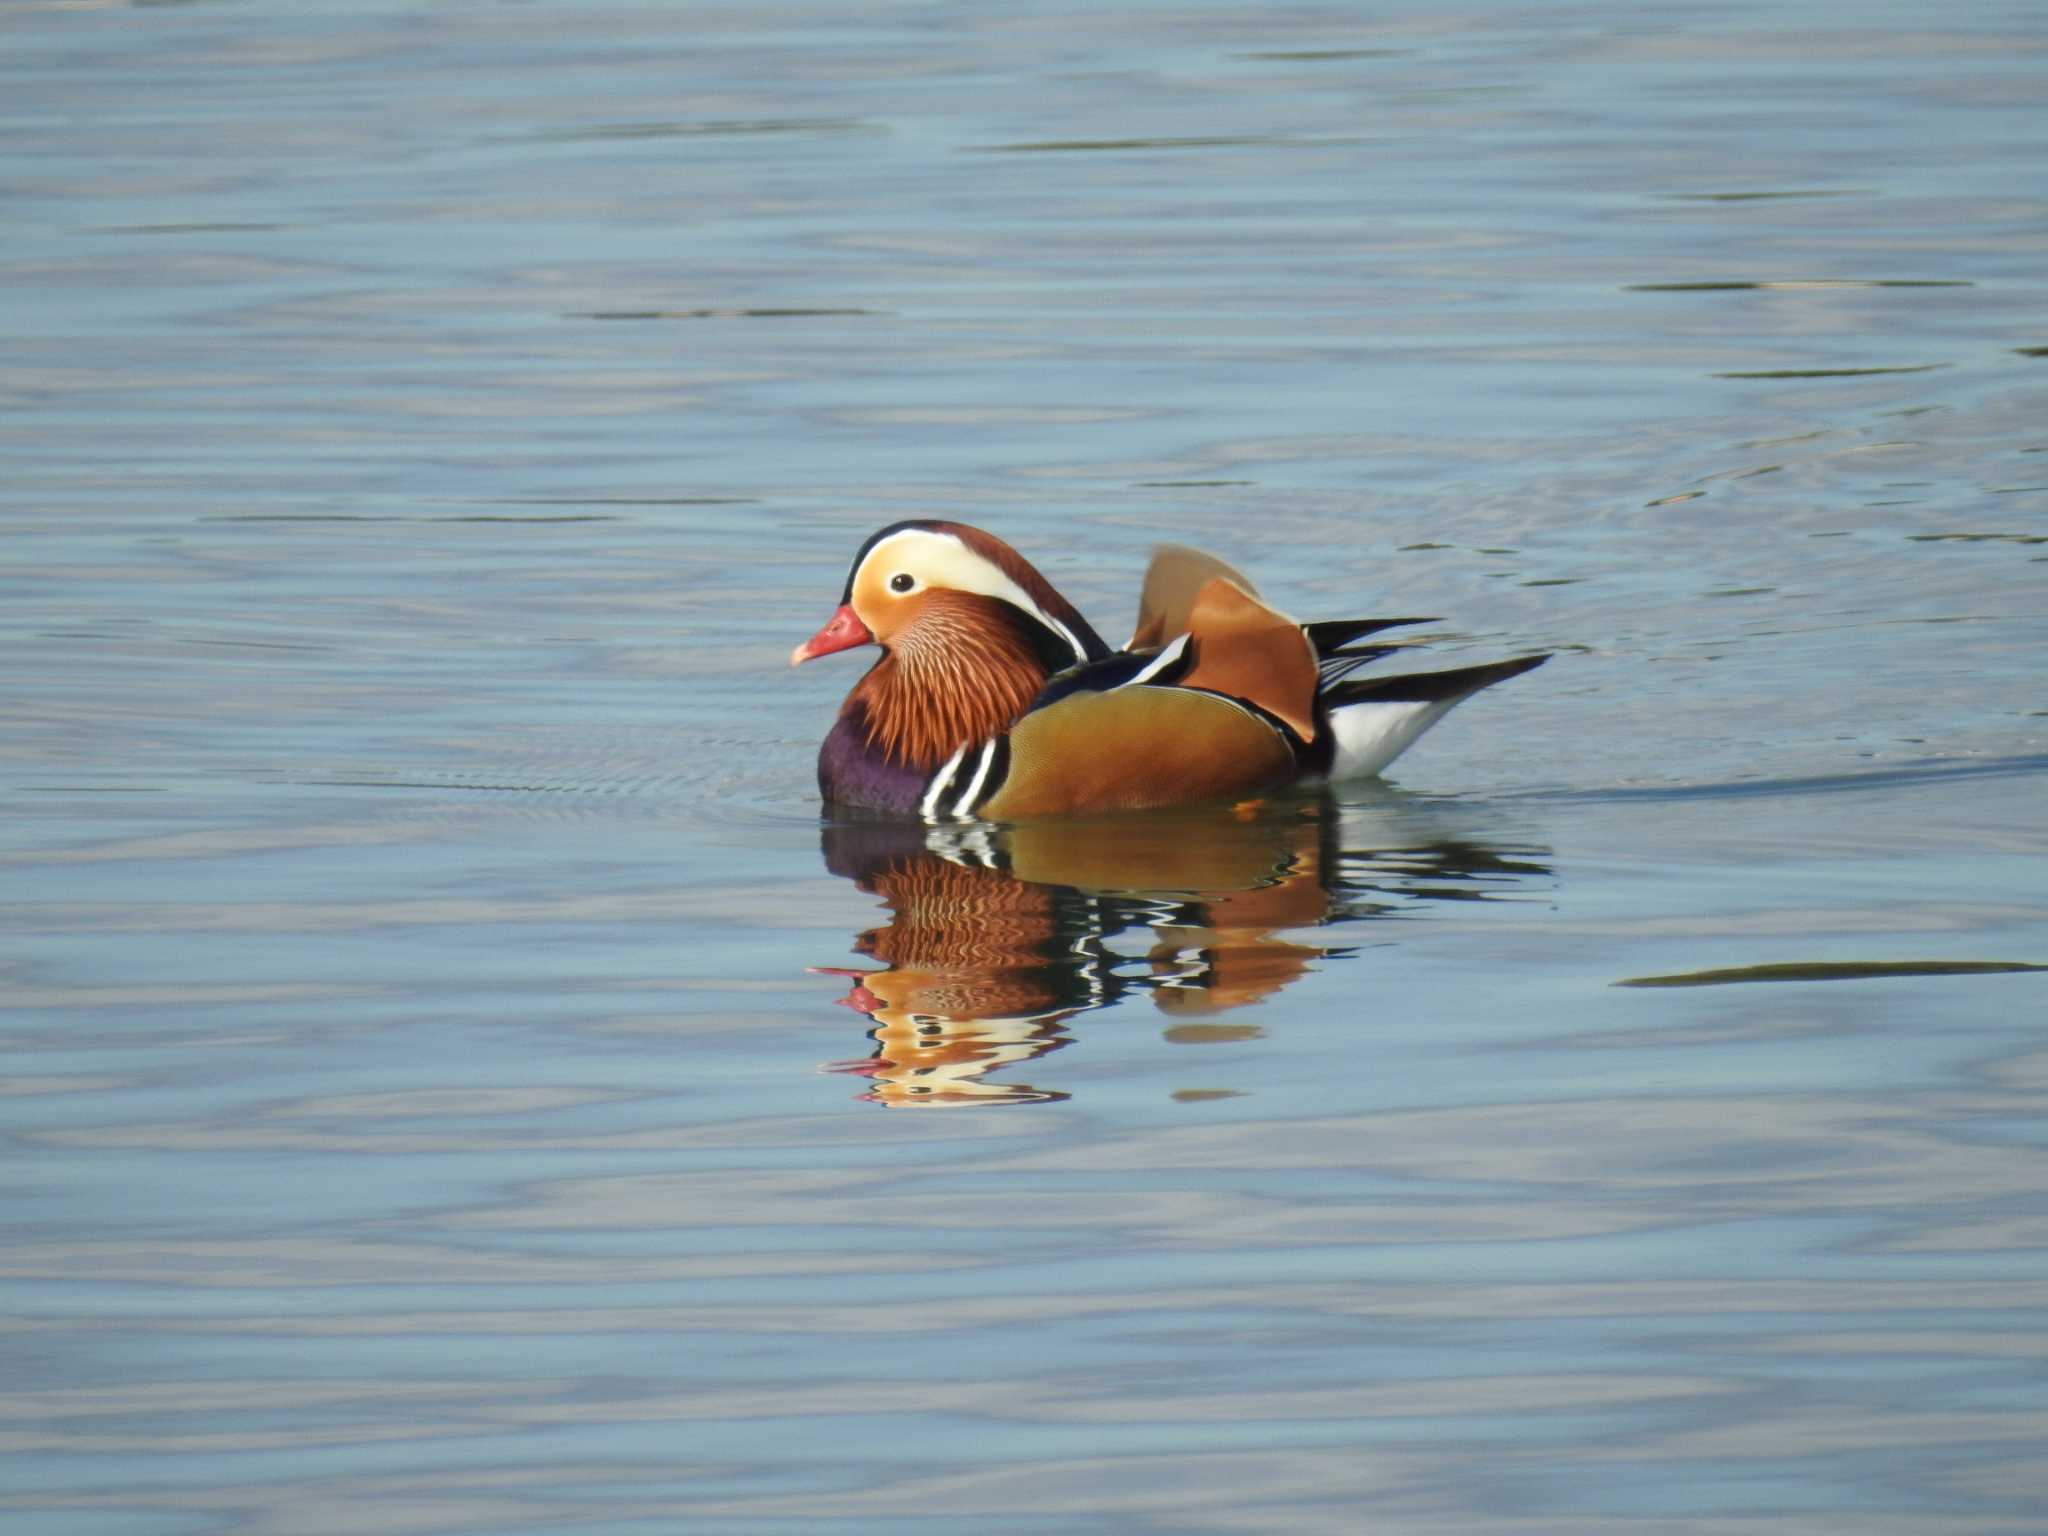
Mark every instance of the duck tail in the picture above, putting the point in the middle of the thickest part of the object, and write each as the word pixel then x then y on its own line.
pixel 1374 720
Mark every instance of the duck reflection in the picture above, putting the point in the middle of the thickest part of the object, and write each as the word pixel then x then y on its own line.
pixel 998 935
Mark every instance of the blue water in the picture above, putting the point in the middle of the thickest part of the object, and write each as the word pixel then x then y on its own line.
pixel 424 431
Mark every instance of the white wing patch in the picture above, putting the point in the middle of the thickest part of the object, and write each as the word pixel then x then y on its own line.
pixel 1168 655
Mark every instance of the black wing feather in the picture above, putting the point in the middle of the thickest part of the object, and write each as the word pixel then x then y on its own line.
pixel 1328 635
pixel 1428 687
pixel 1341 664
pixel 1113 671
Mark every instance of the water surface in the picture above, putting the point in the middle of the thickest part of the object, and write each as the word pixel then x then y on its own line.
pixel 431 1110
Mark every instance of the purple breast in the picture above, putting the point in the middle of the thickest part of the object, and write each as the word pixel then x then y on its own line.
pixel 850 772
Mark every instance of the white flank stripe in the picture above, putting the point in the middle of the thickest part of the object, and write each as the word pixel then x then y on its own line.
pixel 928 807
pixel 964 806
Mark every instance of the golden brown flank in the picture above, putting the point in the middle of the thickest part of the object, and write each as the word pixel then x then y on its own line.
pixel 1133 749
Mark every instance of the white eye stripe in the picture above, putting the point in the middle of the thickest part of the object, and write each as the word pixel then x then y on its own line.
pixel 947 562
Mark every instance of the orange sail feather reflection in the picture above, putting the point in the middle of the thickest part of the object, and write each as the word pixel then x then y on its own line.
pixel 999 935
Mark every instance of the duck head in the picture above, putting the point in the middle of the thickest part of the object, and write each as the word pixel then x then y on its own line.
pixel 913 574
pixel 969 632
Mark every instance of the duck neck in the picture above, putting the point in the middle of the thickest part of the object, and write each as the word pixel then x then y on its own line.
pixel 964 673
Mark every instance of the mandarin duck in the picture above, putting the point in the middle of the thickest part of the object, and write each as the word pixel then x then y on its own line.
pixel 994 700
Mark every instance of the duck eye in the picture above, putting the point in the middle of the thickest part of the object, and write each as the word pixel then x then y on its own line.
pixel 902 581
